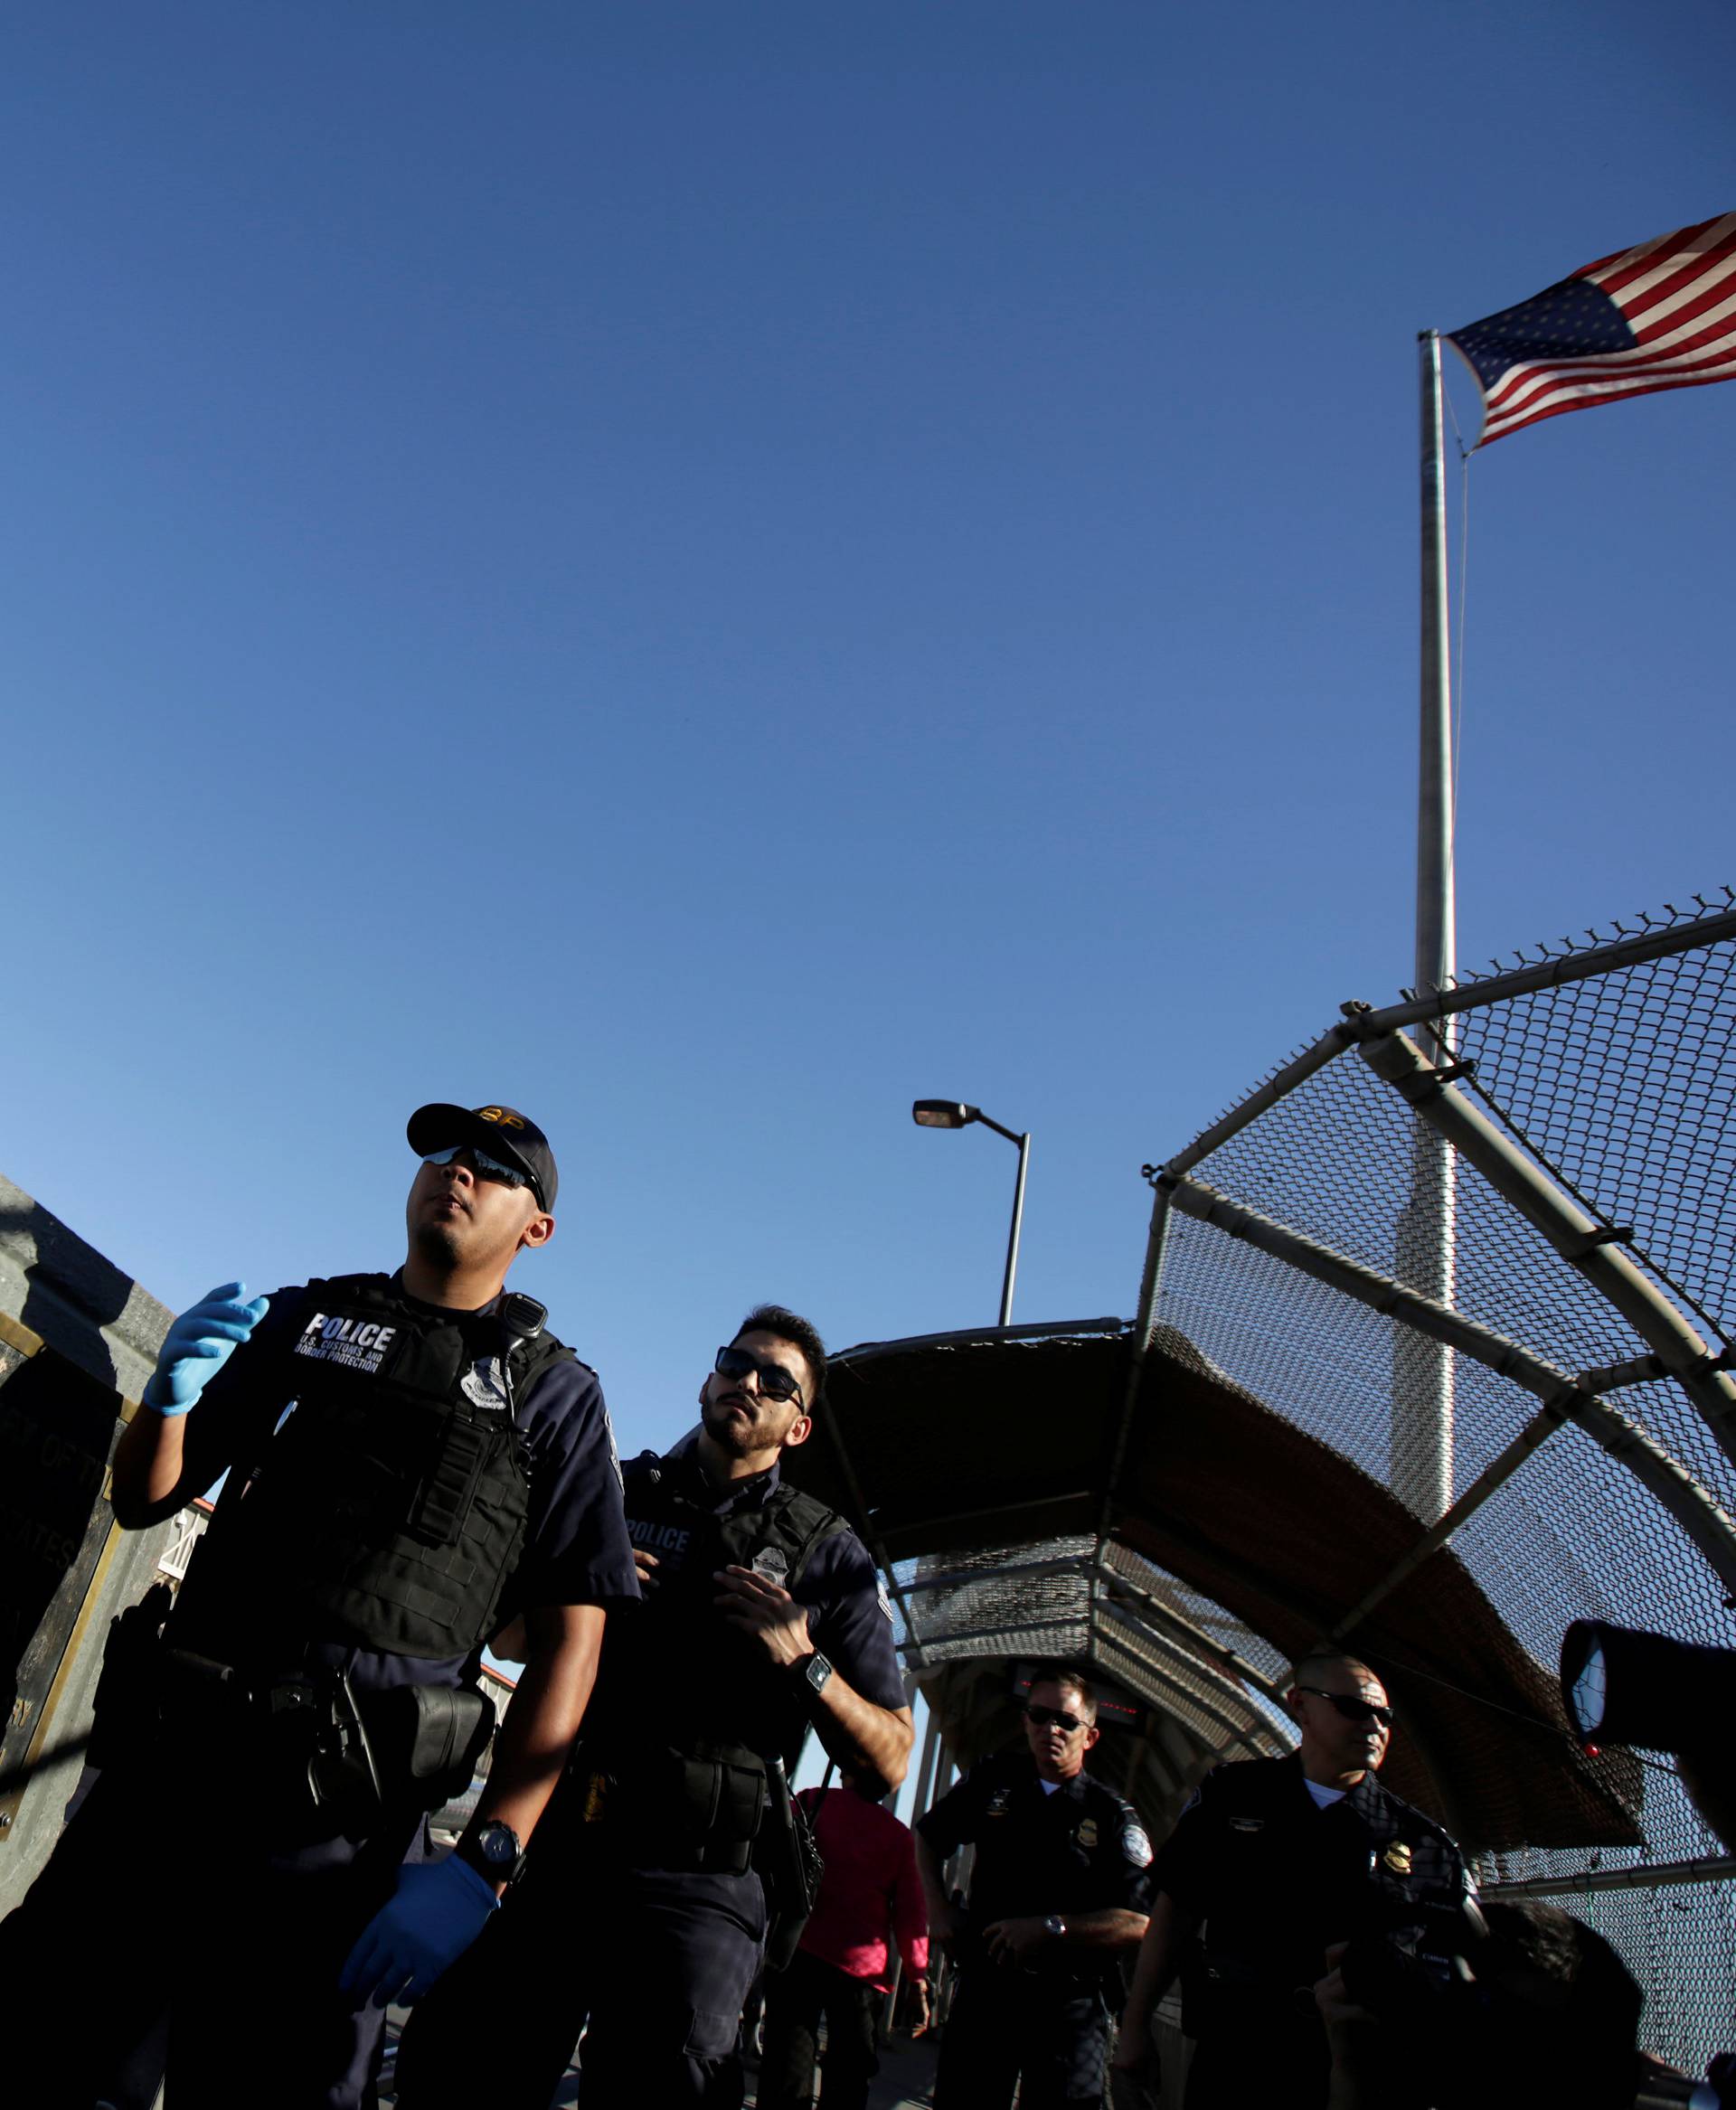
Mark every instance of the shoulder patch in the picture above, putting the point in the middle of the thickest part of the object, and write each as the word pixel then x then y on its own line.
pixel 882 1600
pixel 1135 1845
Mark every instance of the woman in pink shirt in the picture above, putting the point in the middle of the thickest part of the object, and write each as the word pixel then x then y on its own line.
pixel 870 1897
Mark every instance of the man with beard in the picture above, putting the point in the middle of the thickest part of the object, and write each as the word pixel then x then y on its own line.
pixel 1057 1898
pixel 643 1909
pixel 410 1458
pixel 1274 1861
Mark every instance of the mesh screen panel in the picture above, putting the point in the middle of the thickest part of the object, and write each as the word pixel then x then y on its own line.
pixel 997 1613
pixel 1626 1083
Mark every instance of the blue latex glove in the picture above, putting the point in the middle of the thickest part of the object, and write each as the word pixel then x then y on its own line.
pixel 437 1910
pixel 199 1343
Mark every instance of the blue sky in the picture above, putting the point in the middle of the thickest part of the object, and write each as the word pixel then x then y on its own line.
pixel 708 571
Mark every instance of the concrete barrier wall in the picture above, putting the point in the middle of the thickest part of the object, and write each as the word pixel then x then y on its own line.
pixel 78 1340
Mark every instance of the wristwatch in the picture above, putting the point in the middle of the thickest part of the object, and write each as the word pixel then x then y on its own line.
pixel 1055 1927
pixel 814 1670
pixel 495 1852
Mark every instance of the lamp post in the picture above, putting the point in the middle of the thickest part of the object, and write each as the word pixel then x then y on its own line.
pixel 950 1114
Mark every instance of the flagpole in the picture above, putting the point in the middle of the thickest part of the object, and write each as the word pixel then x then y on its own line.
pixel 1422 1438
pixel 1437 938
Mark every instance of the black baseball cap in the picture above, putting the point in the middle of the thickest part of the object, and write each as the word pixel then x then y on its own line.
pixel 501 1131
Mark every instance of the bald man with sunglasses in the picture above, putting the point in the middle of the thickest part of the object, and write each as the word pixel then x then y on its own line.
pixel 1272 1861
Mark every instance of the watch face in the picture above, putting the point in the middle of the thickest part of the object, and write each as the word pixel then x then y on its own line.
pixel 499 1844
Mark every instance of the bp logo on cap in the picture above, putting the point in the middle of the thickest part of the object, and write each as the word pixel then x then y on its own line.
pixel 514 1137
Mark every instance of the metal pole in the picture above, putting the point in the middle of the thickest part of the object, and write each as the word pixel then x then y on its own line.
pixel 1648 1876
pixel 1436 940
pixel 1421 1438
pixel 925 1769
pixel 1013 1237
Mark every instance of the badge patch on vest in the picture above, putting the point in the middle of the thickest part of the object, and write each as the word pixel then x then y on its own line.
pixel 485 1384
pixel 997 1803
pixel 1397 1857
pixel 1247 1823
pixel 1087 1833
pixel 1135 1845
pixel 357 1345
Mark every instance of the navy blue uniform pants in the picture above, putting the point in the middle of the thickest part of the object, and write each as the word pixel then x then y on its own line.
pixel 1050 2035
pixel 797 1998
pixel 167 1899
pixel 659 1962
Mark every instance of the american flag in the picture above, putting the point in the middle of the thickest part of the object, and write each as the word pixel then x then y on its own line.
pixel 1661 315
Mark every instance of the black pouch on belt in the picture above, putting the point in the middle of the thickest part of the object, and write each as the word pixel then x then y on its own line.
pixel 429 1739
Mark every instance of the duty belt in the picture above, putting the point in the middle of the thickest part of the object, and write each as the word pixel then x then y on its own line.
pixel 668 1809
pixel 412 1743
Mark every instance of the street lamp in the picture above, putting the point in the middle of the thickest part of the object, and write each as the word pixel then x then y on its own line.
pixel 951 1113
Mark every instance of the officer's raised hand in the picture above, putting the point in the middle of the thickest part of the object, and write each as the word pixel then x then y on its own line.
pixel 767 1611
pixel 199 1343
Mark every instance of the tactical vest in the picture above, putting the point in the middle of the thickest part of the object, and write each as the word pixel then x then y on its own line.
pixel 388 1508
pixel 674 1675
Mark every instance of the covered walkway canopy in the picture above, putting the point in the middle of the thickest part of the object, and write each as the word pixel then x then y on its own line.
pixel 1029 1496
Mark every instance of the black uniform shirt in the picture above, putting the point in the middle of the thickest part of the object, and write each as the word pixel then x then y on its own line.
pixel 1080 1849
pixel 850 1620
pixel 1274 1877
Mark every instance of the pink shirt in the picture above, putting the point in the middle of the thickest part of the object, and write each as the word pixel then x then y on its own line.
pixel 871 1889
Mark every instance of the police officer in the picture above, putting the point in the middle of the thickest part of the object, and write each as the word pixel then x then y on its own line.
pixel 410 1458
pixel 644 1908
pixel 1274 1860
pixel 1057 1895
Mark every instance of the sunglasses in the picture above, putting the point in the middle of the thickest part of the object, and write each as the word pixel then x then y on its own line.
pixel 774 1382
pixel 1351 1707
pixel 487 1168
pixel 1043 1716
